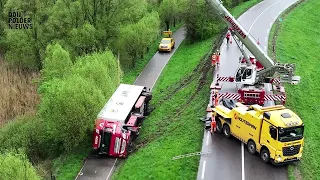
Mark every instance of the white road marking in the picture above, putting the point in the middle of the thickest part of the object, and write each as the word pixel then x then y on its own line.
pixel 242 162
pixel 265 39
pixel 149 74
pixel 112 168
pixel 80 172
pixel 268 31
pixel 207 142
pixel 261 14
pixel 203 169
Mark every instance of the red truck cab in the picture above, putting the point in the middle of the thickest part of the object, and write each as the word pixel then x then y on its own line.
pixel 118 123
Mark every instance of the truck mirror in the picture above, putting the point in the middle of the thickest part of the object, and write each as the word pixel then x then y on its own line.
pixel 273 132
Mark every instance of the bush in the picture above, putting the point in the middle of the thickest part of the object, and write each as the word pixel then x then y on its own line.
pixel 101 69
pixel 69 107
pixel 70 102
pixel 57 62
pixel 16 166
pixel 201 21
pixel 27 133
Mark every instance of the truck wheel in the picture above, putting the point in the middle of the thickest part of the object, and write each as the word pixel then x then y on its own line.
pixel 265 155
pixel 226 130
pixel 219 127
pixel 251 147
pixel 148 95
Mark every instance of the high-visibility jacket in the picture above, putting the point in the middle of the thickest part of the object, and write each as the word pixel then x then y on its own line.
pixel 228 35
pixel 213 125
pixel 213 59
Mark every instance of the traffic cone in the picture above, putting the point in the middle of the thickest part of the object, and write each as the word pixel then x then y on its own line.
pixel 258 42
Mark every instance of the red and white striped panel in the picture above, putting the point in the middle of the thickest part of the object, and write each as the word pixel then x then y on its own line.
pixel 230 96
pixel 274 97
pixel 227 79
pixel 276 81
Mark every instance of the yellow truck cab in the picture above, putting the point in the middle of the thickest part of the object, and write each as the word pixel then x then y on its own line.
pixel 167 43
pixel 275 132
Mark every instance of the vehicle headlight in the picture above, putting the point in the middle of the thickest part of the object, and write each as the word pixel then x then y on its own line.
pixel 279 159
pixel 299 155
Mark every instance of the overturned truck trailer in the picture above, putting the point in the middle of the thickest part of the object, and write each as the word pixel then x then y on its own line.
pixel 118 123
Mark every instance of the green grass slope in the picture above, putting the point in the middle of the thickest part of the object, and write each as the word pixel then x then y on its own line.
pixel 298 41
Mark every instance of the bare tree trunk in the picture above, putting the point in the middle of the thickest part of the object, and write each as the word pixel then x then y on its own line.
pixel 167 24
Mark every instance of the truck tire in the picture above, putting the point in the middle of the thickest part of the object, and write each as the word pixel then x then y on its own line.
pixel 148 95
pixel 251 147
pixel 219 127
pixel 265 155
pixel 226 130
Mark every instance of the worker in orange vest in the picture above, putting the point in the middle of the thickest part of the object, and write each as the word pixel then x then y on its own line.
pixel 213 124
pixel 228 37
pixel 216 98
pixel 218 57
pixel 213 59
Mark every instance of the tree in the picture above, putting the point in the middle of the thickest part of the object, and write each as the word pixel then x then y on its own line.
pixel 83 39
pixel 135 38
pixel 167 10
pixel 70 104
pixel 35 37
pixel 69 107
pixel 15 165
pixel 171 10
pixel 201 21
pixel 57 62
pixel 101 69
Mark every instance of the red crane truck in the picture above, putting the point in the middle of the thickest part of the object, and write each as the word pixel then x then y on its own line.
pixel 118 123
pixel 253 71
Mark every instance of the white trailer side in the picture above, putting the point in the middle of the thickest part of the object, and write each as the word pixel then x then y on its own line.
pixel 121 102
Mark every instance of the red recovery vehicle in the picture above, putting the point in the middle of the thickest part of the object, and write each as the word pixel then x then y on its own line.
pixel 118 123
pixel 254 72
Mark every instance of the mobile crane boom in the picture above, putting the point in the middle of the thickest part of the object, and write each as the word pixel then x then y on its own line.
pixel 270 67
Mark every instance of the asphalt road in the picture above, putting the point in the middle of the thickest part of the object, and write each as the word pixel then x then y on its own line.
pixel 229 159
pixel 101 168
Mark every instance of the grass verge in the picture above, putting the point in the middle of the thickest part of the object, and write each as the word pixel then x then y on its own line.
pixel 173 128
pixel 297 41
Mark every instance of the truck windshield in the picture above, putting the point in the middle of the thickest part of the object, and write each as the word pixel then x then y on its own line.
pixel 165 41
pixel 105 142
pixel 290 134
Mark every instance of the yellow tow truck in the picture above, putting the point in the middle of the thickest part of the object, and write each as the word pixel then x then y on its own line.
pixel 275 132
pixel 167 43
